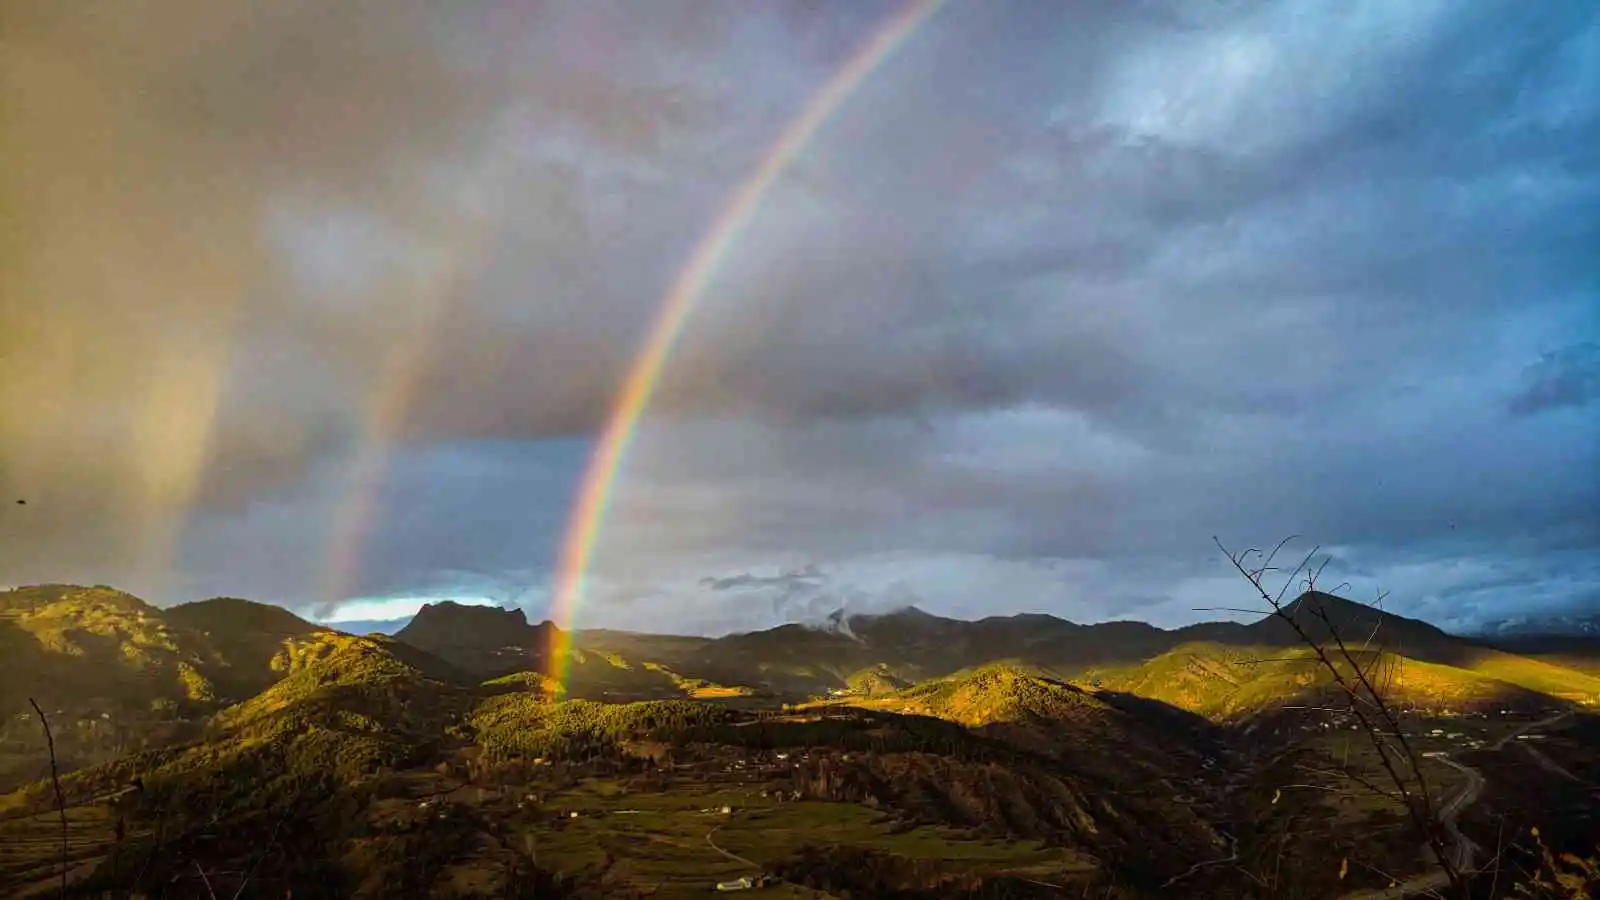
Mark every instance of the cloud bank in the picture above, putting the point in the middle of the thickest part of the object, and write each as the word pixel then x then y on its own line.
pixel 322 305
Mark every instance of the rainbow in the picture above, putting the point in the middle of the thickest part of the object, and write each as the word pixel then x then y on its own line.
pixel 428 298
pixel 600 476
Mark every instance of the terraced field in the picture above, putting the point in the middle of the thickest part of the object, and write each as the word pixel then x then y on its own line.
pixel 30 848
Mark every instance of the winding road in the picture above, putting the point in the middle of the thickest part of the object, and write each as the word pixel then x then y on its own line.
pixel 1463 852
pixel 729 854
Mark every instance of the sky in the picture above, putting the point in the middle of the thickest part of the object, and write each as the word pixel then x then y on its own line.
pixel 325 305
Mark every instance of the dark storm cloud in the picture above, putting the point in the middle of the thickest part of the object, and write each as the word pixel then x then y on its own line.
pixel 230 235
pixel 1051 300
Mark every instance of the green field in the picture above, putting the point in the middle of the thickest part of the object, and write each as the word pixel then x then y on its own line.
pixel 678 842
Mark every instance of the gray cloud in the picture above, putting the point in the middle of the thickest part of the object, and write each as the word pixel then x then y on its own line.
pixel 328 303
pixel 785 581
pixel 1569 377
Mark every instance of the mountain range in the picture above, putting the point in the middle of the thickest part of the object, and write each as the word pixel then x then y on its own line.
pixel 231 714
pixel 1577 625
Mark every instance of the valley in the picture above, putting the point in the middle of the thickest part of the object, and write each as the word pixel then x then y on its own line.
pixel 228 747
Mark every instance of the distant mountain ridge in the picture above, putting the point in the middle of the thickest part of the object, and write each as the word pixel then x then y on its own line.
pixel 843 621
pixel 1577 625
pixel 229 648
pixel 1223 669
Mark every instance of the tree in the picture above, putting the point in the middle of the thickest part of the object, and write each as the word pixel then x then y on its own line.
pixel 1362 687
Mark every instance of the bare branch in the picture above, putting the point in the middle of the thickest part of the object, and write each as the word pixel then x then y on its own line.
pixel 55 782
pixel 1366 702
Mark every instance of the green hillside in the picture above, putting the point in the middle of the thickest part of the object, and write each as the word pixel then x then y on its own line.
pixel 108 669
pixel 898 755
pixel 68 645
pixel 1228 682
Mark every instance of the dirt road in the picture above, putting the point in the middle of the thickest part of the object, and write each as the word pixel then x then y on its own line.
pixel 798 890
pixel 1463 852
pixel 733 856
pixel 1542 723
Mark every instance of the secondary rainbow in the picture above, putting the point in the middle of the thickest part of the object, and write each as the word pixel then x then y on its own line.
pixel 594 494
pixel 427 300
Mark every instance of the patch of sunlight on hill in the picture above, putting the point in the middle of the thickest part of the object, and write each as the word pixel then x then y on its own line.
pixel 1434 683
pixel 1227 682
pixel 1539 675
pixel 536 683
pixel 74 647
pixel 1215 680
pixel 520 726
pixel 1583 665
pixel 992 694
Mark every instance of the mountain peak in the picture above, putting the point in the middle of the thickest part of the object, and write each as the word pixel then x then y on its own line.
pixel 450 610
pixel 1037 618
pixel 1322 615
pixel 482 638
pixel 910 613
pixel 1313 600
pixel 1340 611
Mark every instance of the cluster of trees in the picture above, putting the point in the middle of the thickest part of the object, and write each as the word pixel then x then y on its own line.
pixel 519 726
pixel 514 727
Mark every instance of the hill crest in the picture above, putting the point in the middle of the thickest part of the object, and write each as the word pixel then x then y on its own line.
pixel 234 613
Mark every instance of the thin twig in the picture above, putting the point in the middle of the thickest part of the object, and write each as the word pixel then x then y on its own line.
pixel 1358 779
pixel 204 880
pixel 55 782
pixel 155 849
pixel 1499 850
